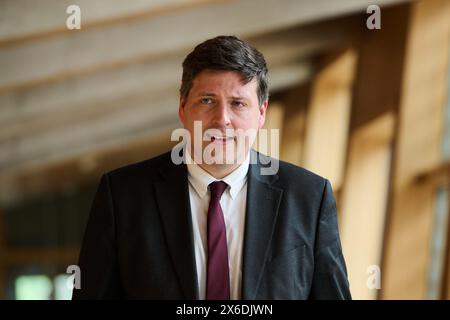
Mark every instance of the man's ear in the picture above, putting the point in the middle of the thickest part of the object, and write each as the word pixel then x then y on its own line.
pixel 181 107
pixel 262 113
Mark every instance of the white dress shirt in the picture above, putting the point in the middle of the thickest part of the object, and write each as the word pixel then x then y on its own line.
pixel 233 204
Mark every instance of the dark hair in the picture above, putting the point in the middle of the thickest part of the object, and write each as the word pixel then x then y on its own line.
pixel 226 53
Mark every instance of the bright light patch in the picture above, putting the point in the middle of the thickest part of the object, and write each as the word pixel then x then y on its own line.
pixel 62 289
pixel 35 287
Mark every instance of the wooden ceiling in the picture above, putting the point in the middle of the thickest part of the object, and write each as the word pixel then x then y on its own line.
pixel 74 103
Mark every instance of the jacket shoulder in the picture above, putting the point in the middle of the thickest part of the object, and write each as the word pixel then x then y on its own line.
pixel 294 177
pixel 148 169
pixel 291 172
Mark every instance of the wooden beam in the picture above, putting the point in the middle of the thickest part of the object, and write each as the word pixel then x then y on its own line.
pixel 19 20
pixel 294 123
pixel 269 144
pixel 290 74
pixel 437 176
pixel 130 116
pixel 74 53
pixel 364 201
pixel 274 116
pixel 328 116
pixel 380 67
pixel 418 148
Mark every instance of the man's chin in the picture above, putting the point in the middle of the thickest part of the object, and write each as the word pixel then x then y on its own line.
pixel 224 158
pixel 220 154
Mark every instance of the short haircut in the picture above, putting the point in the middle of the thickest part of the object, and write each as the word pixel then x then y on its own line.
pixel 226 53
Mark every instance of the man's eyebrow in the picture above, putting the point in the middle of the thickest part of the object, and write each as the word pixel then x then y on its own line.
pixel 209 94
pixel 239 97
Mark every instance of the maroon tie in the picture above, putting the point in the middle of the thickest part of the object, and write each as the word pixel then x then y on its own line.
pixel 217 277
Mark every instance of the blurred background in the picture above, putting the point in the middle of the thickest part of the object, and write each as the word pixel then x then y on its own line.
pixel 367 108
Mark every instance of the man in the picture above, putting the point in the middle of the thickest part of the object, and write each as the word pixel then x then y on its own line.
pixel 214 226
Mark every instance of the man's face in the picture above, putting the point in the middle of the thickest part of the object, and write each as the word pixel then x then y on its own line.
pixel 221 101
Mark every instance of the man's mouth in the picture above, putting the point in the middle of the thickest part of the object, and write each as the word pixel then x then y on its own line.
pixel 221 139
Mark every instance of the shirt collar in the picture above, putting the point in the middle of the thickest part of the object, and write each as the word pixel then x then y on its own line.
pixel 200 179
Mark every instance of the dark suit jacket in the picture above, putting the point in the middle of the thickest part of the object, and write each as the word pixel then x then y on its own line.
pixel 138 242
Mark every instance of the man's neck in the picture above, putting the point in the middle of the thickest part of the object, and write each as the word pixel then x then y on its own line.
pixel 219 171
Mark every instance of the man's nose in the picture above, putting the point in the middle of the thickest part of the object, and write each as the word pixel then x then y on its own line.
pixel 222 115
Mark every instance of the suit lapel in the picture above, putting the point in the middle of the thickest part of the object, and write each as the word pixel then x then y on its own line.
pixel 263 202
pixel 172 194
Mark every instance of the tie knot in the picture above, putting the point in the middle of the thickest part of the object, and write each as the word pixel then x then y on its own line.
pixel 217 188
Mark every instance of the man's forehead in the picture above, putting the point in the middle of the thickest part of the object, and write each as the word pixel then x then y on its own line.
pixel 211 81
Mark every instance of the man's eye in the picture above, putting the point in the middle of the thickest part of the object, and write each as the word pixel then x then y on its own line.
pixel 205 100
pixel 238 104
